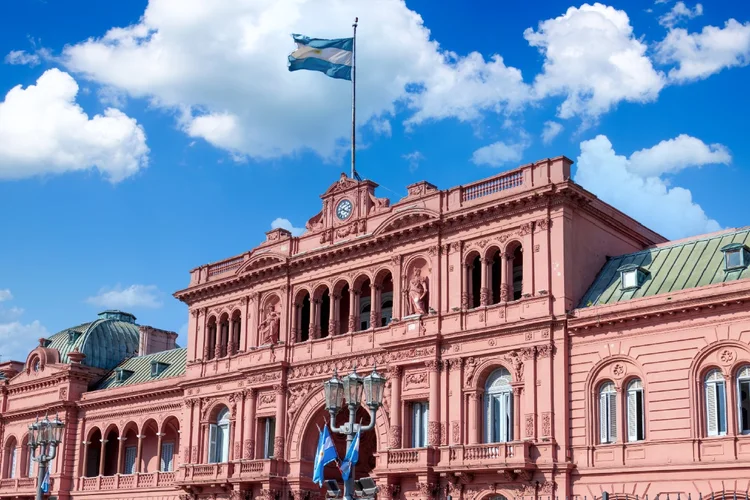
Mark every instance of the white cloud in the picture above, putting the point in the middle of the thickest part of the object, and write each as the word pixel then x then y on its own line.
pixel 673 155
pixel 649 199
pixel 134 296
pixel 43 131
pixel 110 96
pixel 699 55
pixel 222 64
pixel 22 57
pixel 680 12
pixel 11 314
pixel 282 223
pixel 550 131
pixel 5 295
pixel 414 159
pixel 18 339
pixel 499 153
pixel 381 126
pixel 593 59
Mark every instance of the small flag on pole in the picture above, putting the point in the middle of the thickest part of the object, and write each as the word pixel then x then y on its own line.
pixel 325 454
pixel 333 57
pixel 351 458
pixel 45 480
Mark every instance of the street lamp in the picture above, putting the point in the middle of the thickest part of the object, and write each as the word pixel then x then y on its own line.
pixel 351 388
pixel 46 435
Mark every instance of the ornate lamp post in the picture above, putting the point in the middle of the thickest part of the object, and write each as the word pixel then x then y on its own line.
pixel 46 435
pixel 351 388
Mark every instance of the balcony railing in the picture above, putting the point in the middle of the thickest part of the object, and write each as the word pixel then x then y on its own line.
pixel 410 458
pixel 253 469
pixel 26 485
pixel 489 455
pixel 126 481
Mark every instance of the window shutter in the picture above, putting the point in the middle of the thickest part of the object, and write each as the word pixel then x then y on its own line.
pixel 13 456
pixel 271 435
pixel 603 420
pixel 425 419
pixel 489 418
pixel 167 452
pixel 632 416
pixel 130 453
pixel 612 413
pixel 712 422
pixel 212 437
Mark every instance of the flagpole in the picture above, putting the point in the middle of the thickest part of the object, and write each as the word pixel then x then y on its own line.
pixel 354 94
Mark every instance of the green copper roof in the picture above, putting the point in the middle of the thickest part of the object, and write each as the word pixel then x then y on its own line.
pixel 669 268
pixel 105 342
pixel 140 366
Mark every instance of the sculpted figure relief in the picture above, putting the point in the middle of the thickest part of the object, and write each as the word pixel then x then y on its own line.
pixel 269 327
pixel 417 293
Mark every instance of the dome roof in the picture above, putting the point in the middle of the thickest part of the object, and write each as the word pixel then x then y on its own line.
pixel 106 341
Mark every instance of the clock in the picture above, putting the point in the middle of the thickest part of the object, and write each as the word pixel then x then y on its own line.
pixel 344 209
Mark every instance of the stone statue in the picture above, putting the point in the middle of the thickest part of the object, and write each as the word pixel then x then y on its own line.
pixel 417 293
pixel 269 328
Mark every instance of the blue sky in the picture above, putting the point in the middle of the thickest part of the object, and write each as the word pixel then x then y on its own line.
pixel 139 140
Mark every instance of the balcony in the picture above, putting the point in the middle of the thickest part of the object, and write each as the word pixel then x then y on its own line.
pixel 228 472
pixel 127 481
pixel 410 459
pixel 493 456
pixel 21 486
pixel 257 469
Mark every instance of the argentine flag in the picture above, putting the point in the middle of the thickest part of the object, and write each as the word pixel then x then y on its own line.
pixel 45 480
pixel 351 458
pixel 332 57
pixel 326 453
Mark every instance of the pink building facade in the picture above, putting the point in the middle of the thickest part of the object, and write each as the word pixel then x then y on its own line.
pixel 536 342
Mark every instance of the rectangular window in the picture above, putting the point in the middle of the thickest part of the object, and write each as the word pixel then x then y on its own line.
pixel 420 417
pixel 130 453
pixel 269 433
pixel 636 416
pixel 608 417
pixel 498 417
pixel 716 409
pixel 630 279
pixel 213 437
pixel 167 455
pixel 743 397
pixel 733 259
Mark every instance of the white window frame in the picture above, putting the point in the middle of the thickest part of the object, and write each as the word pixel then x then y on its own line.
pixel 743 378
pixel 498 407
pixel 635 391
pixel 715 393
pixel 167 457
pixel 607 413
pixel 420 414
pixel 218 438
pixel 269 436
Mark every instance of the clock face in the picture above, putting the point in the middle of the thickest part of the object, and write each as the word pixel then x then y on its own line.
pixel 344 209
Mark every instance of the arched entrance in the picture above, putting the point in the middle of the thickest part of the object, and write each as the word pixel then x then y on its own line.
pixel 367 446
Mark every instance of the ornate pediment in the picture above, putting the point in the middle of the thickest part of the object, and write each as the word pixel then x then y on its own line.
pixel 405 219
pixel 260 261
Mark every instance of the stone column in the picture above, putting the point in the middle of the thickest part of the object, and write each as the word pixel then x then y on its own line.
pixel 230 338
pixel 101 457
pixel 278 443
pixel 473 431
pixel 251 401
pixel 517 413
pixel 374 306
pixel 252 320
pixel 84 468
pixel 395 407
pixel 119 454
pixel 433 426
pixel 138 455
pixel 352 327
pixel 484 289
pixel 159 436
pixel 398 305
pixel 315 319
pixel 245 325
pixel 464 285
pixel 333 316
pixel 506 293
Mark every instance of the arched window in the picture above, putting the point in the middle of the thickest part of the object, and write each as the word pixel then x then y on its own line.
pixel 496 276
pixel 11 458
pixel 636 412
pixel 386 308
pixel 716 404
pixel 210 350
pixel 475 270
pixel 498 407
pixel 304 318
pixel 236 332
pixel 743 399
pixel 517 273
pixel 607 413
pixel 364 313
pixel 218 449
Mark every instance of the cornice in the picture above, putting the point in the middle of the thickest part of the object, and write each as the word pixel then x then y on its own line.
pixel 110 399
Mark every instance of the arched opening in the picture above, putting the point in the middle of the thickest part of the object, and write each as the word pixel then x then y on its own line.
pixel 517 272
pixel 636 411
pixel 498 407
pixel 210 349
pixel 367 445
pixel 325 314
pixel 10 458
pixel 93 454
pixel 111 447
pixel 218 436
pixel 149 447
pixel 234 343
pixel 417 287
pixel 129 457
pixel 303 317
pixel 496 276
pixel 365 307
pixel 223 335
pixel 170 445
pixel 475 268
pixel 386 299
pixel 27 464
pixel 343 308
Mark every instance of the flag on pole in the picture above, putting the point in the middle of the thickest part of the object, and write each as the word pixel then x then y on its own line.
pixel 325 454
pixel 351 458
pixel 45 480
pixel 333 57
